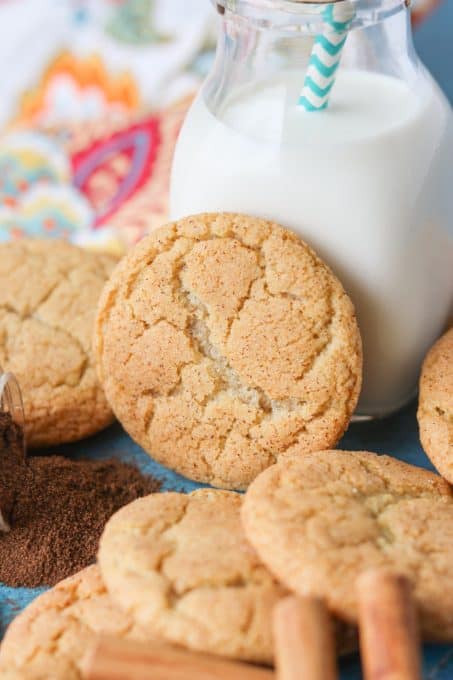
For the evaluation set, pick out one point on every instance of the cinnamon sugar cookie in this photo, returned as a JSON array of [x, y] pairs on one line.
[[435, 408], [223, 342], [181, 567], [50, 638], [48, 295], [317, 521]]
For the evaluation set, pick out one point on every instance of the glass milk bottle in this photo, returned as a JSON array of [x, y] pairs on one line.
[[366, 179]]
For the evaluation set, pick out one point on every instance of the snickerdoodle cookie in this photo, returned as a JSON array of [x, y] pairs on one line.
[[48, 295], [435, 408], [224, 342], [50, 638], [181, 567], [318, 520]]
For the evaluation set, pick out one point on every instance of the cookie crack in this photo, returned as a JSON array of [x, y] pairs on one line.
[[230, 381], [85, 362], [174, 597], [376, 505], [243, 301]]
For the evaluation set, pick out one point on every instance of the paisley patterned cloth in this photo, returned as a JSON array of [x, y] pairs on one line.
[[90, 116]]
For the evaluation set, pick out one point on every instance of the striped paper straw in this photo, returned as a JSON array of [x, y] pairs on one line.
[[326, 55]]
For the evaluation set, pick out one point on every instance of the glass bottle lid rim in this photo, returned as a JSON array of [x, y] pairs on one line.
[[281, 4], [366, 11]]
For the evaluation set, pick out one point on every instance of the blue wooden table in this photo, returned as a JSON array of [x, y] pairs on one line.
[[397, 435]]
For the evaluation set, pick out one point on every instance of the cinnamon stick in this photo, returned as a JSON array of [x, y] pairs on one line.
[[304, 640], [113, 659], [389, 641]]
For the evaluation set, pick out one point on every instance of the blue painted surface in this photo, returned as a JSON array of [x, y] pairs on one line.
[[434, 44], [396, 435]]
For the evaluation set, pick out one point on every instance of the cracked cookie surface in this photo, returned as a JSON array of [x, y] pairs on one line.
[[181, 567], [48, 295], [50, 638], [435, 407], [224, 342], [318, 521]]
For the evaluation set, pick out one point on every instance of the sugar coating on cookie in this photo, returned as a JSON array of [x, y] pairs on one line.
[[319, 520], [48, 295], [435, 408], [223, 342], [51, 637], [181, 567]]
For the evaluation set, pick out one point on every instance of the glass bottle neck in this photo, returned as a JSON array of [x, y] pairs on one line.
[[260, 40]]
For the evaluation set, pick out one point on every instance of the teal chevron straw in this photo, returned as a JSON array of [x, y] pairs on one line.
[[326, 55]]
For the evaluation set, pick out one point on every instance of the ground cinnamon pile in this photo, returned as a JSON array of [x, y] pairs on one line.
[[57, 509]]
